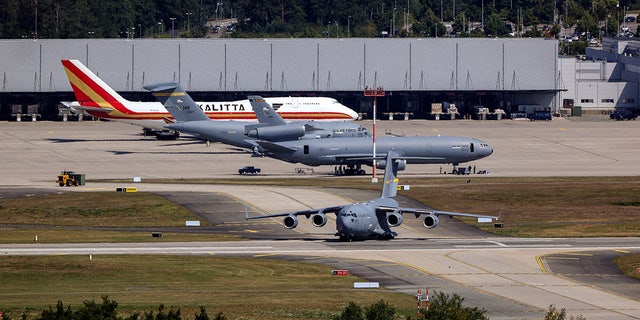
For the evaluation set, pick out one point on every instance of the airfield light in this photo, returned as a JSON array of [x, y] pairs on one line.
[[375, 92]]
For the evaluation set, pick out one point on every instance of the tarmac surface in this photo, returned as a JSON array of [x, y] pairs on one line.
[[511, 278]]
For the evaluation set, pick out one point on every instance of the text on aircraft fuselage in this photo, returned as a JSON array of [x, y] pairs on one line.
[[230, 107]]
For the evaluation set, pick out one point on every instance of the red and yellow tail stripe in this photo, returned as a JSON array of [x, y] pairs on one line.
[[90, 91]]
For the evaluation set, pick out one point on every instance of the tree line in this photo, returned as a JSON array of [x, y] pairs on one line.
[[442, 307], [68, 19]]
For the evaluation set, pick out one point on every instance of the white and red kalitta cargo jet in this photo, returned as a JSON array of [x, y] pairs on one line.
[[99, 100]]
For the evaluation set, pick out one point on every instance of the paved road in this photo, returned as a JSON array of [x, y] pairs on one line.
[[512, 278]]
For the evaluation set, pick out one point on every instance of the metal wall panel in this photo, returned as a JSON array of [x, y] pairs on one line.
[[530, 64], [112, 61], [480, 64], [249, 65], [433, 64], [342, 65], [154, 61], [387, 63], [287, 64], [20, 65], [295, 65], [53, 78], [201, 65]]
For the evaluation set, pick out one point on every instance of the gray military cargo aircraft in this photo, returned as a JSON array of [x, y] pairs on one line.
[[189, 118], [372, 219]]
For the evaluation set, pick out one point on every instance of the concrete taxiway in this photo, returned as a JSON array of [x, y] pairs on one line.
[[511, 278]]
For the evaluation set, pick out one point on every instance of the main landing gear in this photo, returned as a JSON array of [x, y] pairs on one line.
[[349, 170]]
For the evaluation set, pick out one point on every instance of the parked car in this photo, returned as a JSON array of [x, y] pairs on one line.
[[540, 116], [623, 114], [249, 170]]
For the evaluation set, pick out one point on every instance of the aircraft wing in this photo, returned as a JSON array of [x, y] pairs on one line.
[[306, 213], [275, 147], [418, 212]]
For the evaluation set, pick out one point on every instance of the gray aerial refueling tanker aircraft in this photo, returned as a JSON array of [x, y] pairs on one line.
[[309, 143]]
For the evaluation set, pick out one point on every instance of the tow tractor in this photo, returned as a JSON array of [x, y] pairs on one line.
[[70, 178]]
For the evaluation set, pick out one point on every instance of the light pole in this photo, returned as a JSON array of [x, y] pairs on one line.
[[393, 24], [188, 22], [348, 27], [35, 35], [172, 21], [140, 29], [375, 92]]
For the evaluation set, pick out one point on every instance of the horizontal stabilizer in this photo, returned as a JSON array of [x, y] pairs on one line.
[[162, 86], [89, 108], [168, 120], [177, 101]]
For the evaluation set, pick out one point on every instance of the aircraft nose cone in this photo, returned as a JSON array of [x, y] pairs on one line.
[[485, 149]]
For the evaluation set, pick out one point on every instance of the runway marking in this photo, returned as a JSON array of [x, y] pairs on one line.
[[502, 245], [498, 243], [578, 254], [621, 251], [264, 255], [541, 265]]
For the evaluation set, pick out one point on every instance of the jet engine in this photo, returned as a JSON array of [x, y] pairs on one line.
[[381, 164], [277, 133], [290, 222], [394, 219], [430, 221], [319, 219]]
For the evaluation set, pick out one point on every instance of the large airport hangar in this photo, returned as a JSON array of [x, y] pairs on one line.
[[471, 72]]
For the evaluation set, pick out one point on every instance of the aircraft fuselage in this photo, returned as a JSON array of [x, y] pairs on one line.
[[416, 150], [233, 132], [360, 221]]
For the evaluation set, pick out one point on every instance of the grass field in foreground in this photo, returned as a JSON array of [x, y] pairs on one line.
[[96, 217], [238, 287]]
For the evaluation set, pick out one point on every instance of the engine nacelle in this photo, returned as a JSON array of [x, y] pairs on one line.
[[319, 219], [430, 221], [394, 219], [290, 222], [277, 133], [381, 164]]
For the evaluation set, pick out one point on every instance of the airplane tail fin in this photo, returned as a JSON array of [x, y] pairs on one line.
[[390, 187], [177, 101], [90, 90], [264, 112]]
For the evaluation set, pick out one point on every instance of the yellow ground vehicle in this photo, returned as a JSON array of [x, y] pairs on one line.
[[70, 178]]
